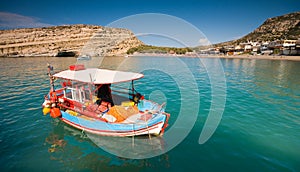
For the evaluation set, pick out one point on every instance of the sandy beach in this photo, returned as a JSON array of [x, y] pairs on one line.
[[263, 57]]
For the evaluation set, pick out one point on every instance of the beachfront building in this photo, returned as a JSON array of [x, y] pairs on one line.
[[298, 46], [289, 47], [210, 51], [238, 50], [264, 49], [247, 47], [275, 47], [278, 47], [229, 50], [289, 43]]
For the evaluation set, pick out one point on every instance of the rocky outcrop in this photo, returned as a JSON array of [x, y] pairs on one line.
[[73, 39], [110, 42]]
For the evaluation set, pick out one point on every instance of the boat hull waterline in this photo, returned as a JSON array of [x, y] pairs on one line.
[[98, 127]]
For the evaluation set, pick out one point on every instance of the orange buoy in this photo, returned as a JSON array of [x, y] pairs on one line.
[[55, 112]]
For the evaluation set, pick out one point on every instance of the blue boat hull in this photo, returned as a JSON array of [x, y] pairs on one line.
[[155, 125]]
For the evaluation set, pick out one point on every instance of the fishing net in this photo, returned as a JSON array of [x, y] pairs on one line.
[[122, 113]]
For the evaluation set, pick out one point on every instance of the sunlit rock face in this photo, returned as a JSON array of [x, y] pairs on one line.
[[71, 40]]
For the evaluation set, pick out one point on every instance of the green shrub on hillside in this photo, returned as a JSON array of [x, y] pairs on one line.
[[155, 49]]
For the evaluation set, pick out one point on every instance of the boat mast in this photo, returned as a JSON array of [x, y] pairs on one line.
[[51, 78]]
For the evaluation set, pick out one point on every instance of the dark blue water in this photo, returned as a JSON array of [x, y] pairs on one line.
[[259, 129]]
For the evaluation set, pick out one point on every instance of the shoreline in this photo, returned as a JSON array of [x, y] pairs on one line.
[[258, 57], [250, 57]]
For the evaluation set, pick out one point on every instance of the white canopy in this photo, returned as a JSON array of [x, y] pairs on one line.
[[98, 76]]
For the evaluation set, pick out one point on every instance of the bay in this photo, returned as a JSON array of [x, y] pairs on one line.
[[259, 129]]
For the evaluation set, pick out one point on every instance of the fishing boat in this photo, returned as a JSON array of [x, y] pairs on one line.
[[95, 101]]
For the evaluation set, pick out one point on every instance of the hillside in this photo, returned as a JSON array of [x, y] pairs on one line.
[[276, 28], [68, 40]]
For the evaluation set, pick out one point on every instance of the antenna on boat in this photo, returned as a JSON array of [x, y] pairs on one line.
[[54, 109]]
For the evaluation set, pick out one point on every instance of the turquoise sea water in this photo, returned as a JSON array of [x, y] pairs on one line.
[[259, 129]]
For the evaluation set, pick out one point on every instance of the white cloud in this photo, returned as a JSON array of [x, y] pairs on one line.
[[12, 20], [204, 41]]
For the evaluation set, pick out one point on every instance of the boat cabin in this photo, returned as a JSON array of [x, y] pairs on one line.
[[82, 87]]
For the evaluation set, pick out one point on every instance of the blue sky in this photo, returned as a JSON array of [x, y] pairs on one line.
[[218, 20]]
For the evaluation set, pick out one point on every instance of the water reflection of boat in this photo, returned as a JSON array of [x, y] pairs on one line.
[[87, 102], [127, 147], [65, 141], [84, 57], [130, 147]]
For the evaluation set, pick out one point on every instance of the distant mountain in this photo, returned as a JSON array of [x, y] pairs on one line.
[[276, 28]]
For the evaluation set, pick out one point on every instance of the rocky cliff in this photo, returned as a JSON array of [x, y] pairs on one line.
[[72, 39]]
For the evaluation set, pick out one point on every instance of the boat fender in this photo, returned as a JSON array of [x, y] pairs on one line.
[[46, 110], [55, 112]]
